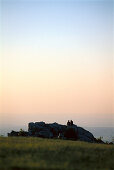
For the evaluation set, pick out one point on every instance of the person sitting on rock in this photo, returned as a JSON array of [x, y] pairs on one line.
[[71, 122], [68, 123]]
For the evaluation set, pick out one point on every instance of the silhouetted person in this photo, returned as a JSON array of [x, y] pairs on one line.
[[71, 122], [68, 123]]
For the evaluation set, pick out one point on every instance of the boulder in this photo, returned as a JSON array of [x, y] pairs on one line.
[[74, 127], [84, 134], [31, 126], [30, 133], [38, 127], [71, 133], [55, 126], [85, 138], [55, 130], [40, 124], [45, 134], [61, 136], [36, 134]]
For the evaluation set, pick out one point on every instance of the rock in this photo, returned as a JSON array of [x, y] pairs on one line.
[[55, 130], [30, 133], [35, 127], [61, 136], [75, 127], [38, 127], [36, 134], [40, 124], [71, 133], [45, 134], [85, 138], [98, 141], [55, 126], [31, 126], [85, 135]]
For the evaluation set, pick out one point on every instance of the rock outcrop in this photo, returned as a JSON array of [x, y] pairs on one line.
[[55, 130]]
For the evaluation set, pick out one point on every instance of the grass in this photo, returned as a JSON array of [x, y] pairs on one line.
[[36, 153]]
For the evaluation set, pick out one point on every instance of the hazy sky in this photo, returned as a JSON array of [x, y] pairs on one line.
[[56, 62]]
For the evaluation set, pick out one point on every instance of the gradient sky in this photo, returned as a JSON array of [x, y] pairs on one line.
[[56, 62]]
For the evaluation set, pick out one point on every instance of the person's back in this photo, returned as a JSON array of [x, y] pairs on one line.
[[68, 123], [71, 122]]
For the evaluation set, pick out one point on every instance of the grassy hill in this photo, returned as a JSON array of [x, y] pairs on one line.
[[36, 153]]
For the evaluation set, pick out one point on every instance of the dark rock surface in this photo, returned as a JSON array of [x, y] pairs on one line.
[[55, 130]]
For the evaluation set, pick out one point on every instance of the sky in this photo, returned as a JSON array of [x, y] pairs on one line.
[[56, 62]]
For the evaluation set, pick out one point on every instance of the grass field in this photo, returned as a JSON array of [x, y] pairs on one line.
[[36, 153]]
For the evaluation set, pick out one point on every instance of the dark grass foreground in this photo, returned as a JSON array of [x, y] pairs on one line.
[[35, 153]]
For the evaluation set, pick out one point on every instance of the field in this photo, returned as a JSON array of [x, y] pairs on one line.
[[36, 153]]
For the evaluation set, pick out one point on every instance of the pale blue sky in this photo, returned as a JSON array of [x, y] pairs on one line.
[[71, 23], [73, 27]]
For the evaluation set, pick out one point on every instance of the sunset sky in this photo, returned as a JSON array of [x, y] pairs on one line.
[[56, 62]]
